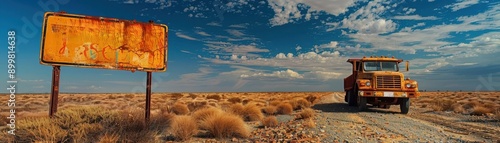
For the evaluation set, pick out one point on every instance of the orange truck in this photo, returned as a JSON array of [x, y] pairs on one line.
[[379, 82]]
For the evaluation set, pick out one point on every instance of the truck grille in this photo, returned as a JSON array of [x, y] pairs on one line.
[[388, 82]]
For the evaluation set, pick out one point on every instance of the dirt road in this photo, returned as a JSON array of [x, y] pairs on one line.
[[343, 123]]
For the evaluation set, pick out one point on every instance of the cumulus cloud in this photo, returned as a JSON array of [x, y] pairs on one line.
[[366, 20], [415, 17], [462, 4], [286, 74], [203, 33], [287, 11], [181, 35]]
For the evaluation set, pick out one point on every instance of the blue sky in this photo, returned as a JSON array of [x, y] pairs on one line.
[[276, 45]]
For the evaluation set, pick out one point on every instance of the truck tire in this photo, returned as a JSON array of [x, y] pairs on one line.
[[346, 96], [352, 98], [362, 103], [404, 104]]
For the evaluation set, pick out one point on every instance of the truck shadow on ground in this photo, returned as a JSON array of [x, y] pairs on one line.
[[344, 108]]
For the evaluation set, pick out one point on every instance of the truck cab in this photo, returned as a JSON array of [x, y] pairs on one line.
[[379, 82]]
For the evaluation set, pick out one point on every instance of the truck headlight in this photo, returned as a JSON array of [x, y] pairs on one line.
[[408, 85], [368, 83]]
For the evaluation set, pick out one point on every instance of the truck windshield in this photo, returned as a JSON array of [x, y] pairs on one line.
[[380, 66]]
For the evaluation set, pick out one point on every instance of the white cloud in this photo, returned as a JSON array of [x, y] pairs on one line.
[[298, 48], [415, 17], [409, 10], [289, 55], [332, 44], [181, 35], [131, 1], [236, 33], [280, 56], [323, 75], [233, 49], [203, 33], [288, 74], [462, 4], [234, 57], [366, 20], [287, 11], [243, 25], [214, 24]]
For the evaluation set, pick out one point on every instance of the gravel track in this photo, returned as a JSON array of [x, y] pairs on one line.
[[343, 123]]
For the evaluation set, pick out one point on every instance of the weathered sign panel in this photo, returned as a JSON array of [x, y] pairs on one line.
[[108, 43]]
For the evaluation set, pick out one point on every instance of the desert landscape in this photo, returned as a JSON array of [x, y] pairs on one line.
[[252, 117]]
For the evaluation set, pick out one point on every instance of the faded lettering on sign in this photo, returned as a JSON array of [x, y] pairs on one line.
[[94, 42]]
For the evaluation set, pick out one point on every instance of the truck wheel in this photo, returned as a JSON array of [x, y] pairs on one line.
[[362, 103], [346, 96], [404, 104], [352, 98]]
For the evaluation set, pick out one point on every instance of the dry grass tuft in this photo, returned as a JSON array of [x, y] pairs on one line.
[[195, 105], [275, 103], [192, 96], [234, 100], [442, 105], [180, 109], [226, 126], [183, 127], [480, 110], [249, 112], [109, 138], [130, 96], [237, 109], [285, 108], [270, 110], [177, 95], [215, 97], [497, 113], [303, 103], [252, 112], [204, 113], [309, 123], [307, 113], [312, 99], [270, 121]]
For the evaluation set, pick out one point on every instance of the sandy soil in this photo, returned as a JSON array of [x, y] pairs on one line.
[[334, 120]]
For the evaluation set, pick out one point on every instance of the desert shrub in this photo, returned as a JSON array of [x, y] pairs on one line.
[[202, 114], [497, 113], [177, 95], [237, 109], [307, 113], [285, 108], [270, 121], [83, 132], [270, 110], [192, 96], [275, 103], [458, 108], [40, 129], [225, 125], [109, 138], [443, 105], [234, 100], [480, 110], [183, 127], [249, 112], [180, 109], [215, 97], [311, 98], [130, 96], [195, 105], [303, 103], [310, 123], [252, 112], [294, 104]]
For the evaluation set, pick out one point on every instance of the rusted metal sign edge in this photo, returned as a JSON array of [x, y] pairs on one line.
[[84, 65]]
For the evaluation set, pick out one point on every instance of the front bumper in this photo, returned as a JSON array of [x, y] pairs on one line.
[[396, 94]]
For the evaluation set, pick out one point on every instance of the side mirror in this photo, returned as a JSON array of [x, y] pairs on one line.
[[407, 65]]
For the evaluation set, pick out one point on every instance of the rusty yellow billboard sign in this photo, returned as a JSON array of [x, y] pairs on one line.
[[109, 43]]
